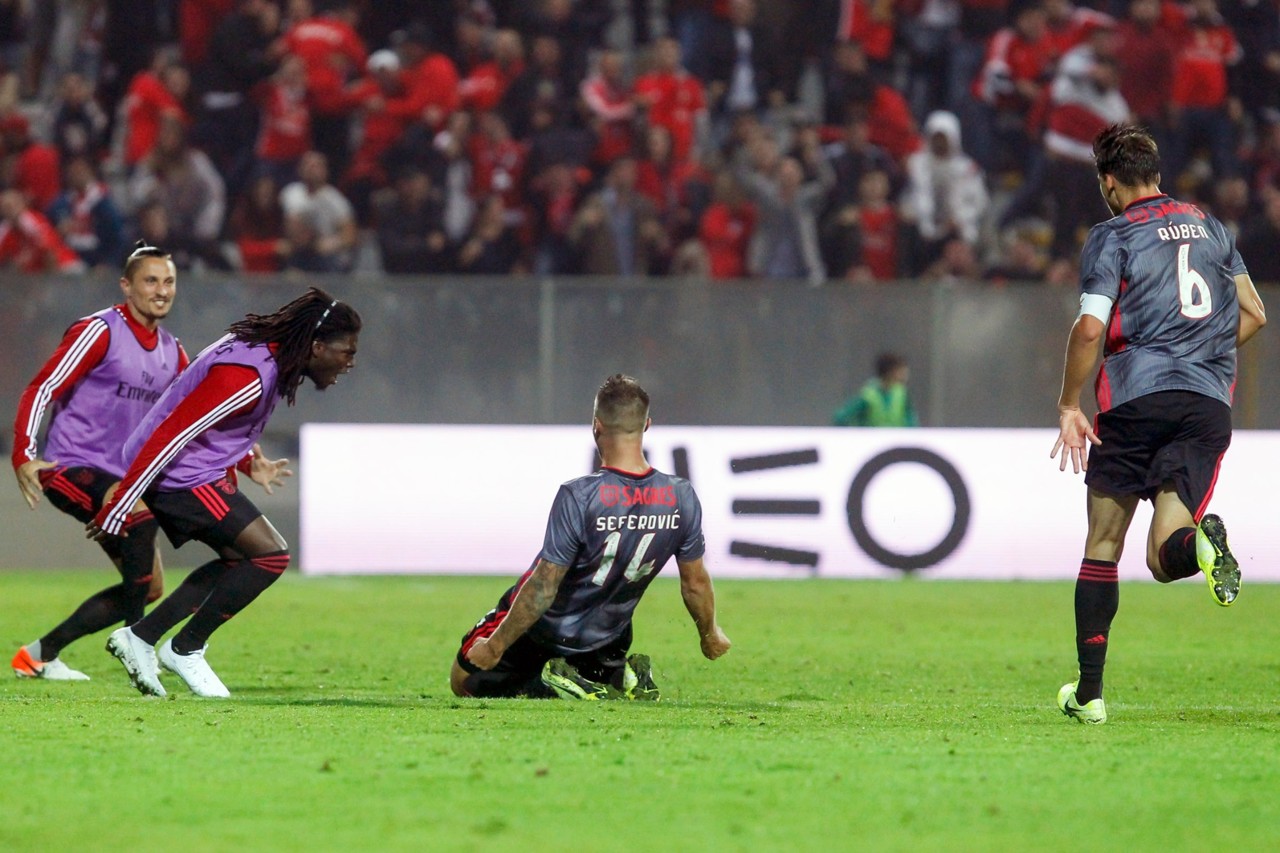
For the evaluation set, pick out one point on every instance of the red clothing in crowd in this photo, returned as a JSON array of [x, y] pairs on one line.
[[497, 166], [146, 103], [870, 24], [725, 232], [430, 86], [37, 172], [1076, 29], [382, 127], [482, 89], [1144, 55], [878, 227], [611, 111], [197, 19], [667, 187], [284, 134], [332, 53], [33, 245], [1200, 69], [675, 100], [1012, 59], [891, 125]]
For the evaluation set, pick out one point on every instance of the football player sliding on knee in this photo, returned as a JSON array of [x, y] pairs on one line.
[[564, 628], [181, 460]]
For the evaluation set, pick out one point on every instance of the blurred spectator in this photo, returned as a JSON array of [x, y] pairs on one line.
[[79, 124], [959, 262], [1261, 237], [673, 98], [497, 165], [87, 217], [333, 54], [431, 79], [28, 165], [374, 99], [610, 109], [183, 181], [319, 222], [869, 24], [678, 189], [854, 159], [576, 25], [411, 233], [1070, 24], [1020, 261], [240, 56], [928, 34], [1256, 79], [1147, 41], [883, 401], [1230, 203], [257, 227], [284, 128], [1083, 99], [739, 76], [154, 95], [541, 84], [726, 229], [1203, 110], [492, 247], [554, 140], [486, 83], [554, 196], [616, 231], [198, 20], [785, 243], [877, 224], [1009, 92], [851, 87], [28, 242], [54, 44], [946, 197]]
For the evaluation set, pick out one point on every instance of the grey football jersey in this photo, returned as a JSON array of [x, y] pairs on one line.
[[1170, 268], [615, 531]]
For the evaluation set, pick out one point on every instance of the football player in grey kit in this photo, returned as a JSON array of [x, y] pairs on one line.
[[1166, 298], [564, 629]]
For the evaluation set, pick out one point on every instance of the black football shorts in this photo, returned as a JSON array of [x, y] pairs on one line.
[[215, 513], [1176, 437]]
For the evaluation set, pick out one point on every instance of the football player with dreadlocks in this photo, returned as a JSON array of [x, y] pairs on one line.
[[180, 459]]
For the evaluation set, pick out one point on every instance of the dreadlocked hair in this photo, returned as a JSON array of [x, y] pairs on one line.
[[313, 316]]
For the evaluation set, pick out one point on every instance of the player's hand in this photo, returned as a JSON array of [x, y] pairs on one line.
[[715, 643], [1075, 434], [268, 472], [483, 655], [28, 474]]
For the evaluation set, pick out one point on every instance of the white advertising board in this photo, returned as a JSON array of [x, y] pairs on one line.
[[776, 502]]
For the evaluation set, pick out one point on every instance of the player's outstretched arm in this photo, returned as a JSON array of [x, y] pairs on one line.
[[1075, 432], [28, 474], [1253, 316], [700, 600], [533, 600], [268, 472]]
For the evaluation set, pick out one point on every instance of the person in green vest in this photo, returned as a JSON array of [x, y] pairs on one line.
[[883, 400]]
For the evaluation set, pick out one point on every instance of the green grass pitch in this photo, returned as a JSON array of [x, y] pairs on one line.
[[849, 716]]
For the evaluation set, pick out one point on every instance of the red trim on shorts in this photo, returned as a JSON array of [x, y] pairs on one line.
[[137, 518], [70, 491], [1204, 504], [212, 502]]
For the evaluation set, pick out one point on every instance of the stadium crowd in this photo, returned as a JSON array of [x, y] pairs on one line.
[[818, 140]]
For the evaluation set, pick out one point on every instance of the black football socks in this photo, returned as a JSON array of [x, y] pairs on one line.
[[1097, 599]]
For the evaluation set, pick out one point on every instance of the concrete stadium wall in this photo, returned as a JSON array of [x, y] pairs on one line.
[[454, 350]]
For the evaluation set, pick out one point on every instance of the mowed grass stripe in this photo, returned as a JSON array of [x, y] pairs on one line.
[[849, 716]]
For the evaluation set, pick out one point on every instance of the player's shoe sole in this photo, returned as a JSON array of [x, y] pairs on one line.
[[139, 660], [25, 666], [568, 683], [194, 670], [643, 689], [1093, 712], [1221, 571]]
